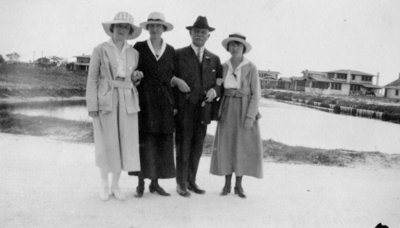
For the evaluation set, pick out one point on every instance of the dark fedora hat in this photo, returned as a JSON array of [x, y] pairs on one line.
[[201, 23]]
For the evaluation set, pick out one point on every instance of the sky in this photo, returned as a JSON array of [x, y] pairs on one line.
[[287, 36]]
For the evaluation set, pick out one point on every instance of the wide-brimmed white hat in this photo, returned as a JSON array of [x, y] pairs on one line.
[[122, 18], [239, 38], [157, 18]]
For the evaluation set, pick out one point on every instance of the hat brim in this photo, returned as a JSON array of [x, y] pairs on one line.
[[226, 41], [169, 26], [209, 28], [136, 29]]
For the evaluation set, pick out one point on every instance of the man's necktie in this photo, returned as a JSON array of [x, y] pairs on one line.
[[199, 54]]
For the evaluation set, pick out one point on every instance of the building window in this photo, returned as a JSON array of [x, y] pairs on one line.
[[337, 86], [355, 87], [342, 76], [366, 78], [320, 85], [397, 92], [353, 77]]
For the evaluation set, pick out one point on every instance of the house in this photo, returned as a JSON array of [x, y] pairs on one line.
[[343, 82], [297, 83], [268, 79], [44, 61], [392, 90], [82, 62], [284, 83]]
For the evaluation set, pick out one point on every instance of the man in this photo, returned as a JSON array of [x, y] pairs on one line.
[[197, 71]]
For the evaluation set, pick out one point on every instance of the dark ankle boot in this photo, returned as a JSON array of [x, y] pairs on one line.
[[140, 187], [227, 188], [238, 187], [154, 187]]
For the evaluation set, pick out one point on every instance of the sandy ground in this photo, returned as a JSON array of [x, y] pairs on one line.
[[48, 183]]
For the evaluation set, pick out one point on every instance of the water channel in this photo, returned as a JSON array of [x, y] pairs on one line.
[[292, 125]]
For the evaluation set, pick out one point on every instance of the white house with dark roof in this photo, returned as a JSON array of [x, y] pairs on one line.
[[268, 78], [392, 90], [82, 62], [343, 82]]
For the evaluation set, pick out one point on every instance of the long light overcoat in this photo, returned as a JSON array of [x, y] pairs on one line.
[[116, 127], [237, 149]]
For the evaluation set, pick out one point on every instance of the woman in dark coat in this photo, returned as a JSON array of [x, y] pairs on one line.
[[156, 118]]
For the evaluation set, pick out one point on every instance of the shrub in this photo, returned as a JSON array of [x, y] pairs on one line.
[[336, 109]]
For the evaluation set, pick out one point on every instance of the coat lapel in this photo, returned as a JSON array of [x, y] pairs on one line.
[[109, 60]]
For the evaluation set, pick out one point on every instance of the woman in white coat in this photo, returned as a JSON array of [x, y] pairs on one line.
[[237, 144], [112, 102]]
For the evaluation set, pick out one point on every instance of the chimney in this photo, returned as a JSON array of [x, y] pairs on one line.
[[377, 78], [348, 79]]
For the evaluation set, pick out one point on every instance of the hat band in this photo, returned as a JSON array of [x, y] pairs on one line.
[[151, 19], [237, 36]]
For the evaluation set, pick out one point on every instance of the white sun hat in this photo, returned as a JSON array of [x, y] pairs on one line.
[[157, 18], [239, 38], [122, 18]]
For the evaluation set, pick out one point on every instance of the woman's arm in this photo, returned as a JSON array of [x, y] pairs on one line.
[[92, 82], [255, 93]]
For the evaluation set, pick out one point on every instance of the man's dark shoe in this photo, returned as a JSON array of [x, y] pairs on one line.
[[182, 191], [194, 188]]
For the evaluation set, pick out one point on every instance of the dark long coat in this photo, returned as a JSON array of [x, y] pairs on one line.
[[156, 98]]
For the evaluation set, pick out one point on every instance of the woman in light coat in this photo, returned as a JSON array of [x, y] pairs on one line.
[[112, 102], [156, 117], [237, 144]]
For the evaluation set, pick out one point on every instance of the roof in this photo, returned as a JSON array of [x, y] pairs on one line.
[[286, 79], [83, 56], [351, 72], [297, 78], [371, 86], [313, 72], [321, 78], [269, 71], [394, 84]]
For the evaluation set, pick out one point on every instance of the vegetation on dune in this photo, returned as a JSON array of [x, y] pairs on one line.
[[384, 108], [28, 80]]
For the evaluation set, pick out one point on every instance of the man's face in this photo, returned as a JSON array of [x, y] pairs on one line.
[[199, 36]]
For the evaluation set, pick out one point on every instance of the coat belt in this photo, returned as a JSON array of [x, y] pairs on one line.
[[121, 84], [235, 93]]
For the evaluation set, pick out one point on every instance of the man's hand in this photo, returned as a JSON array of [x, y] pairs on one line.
[[93, 114], [211, 94], [136, 77], [181, 84]]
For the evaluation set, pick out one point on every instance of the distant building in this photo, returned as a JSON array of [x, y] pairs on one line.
[[44, 61], [268, 78], [82, 63], [392, 90], [297, 83], [284, 83], [344, 82]]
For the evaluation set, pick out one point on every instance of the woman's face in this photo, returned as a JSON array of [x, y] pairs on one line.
[[235, 48], [121, 31], [155, 30]]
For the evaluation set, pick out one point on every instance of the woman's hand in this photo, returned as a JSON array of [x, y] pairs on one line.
[[248, 123], [181, 84], [94, 114]]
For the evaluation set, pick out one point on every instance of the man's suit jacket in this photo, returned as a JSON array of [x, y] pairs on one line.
[[102, 70], [199, 77]]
